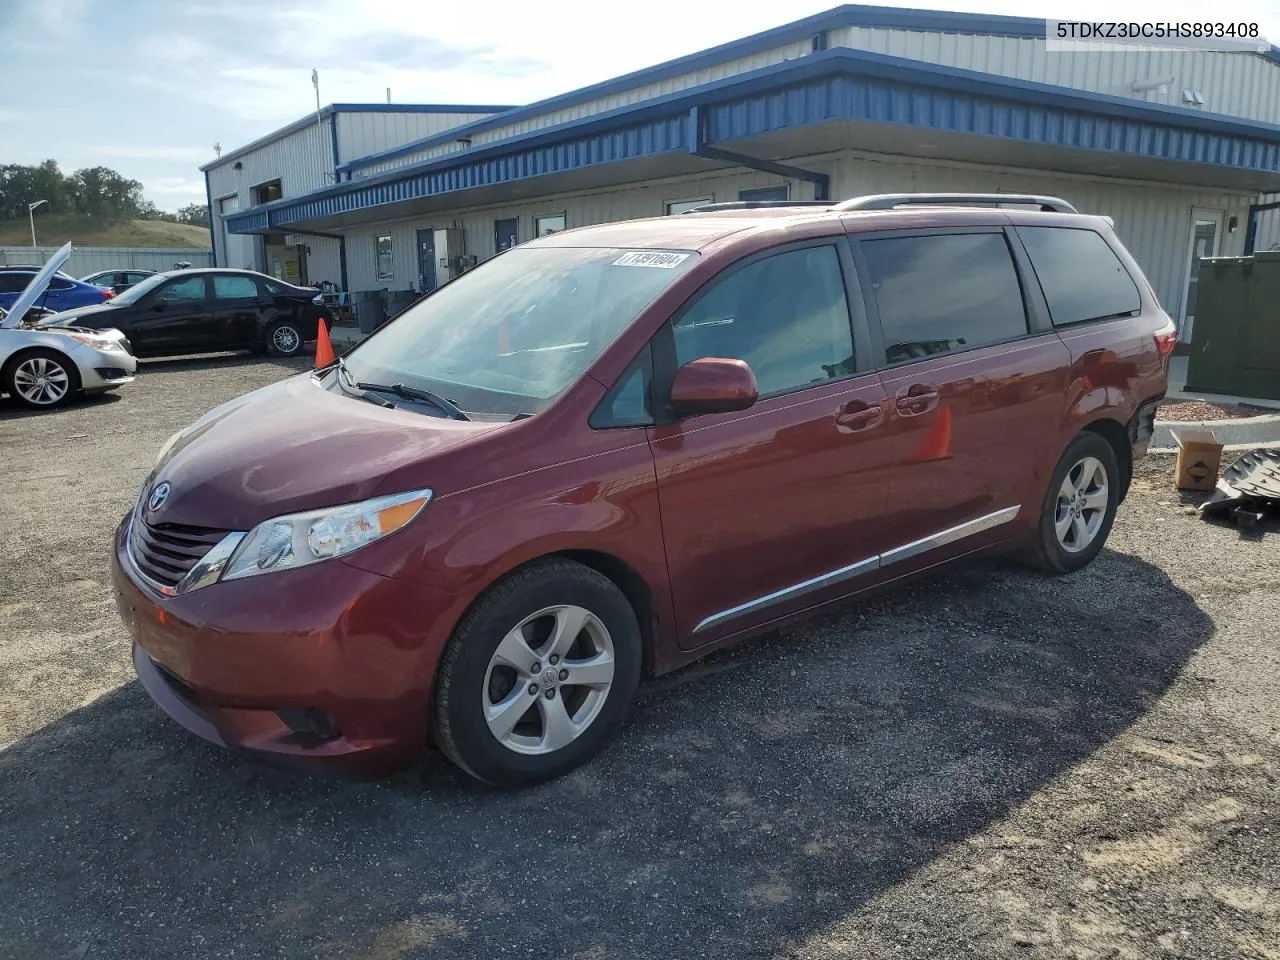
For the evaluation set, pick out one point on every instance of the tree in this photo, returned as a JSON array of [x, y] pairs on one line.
[[21, 185], [104, 194], [195, 214]]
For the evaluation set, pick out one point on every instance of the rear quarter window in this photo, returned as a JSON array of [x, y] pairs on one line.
[[1081, 276]]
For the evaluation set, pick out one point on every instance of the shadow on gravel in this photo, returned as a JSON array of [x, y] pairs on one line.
[[775, 790], [221, 360]]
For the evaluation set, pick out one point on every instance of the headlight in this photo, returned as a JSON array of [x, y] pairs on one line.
[[298, 539], [98, 343]]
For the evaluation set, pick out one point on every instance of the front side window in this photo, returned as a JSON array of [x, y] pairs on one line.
[[135, 277], [786, 316], [230, 287], [1080, 275], [549, 225], [186, 289], [60, 283], [386, 263], [510, 335], [943, 293]]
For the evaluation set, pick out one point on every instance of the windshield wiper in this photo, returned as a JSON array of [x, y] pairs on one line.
[[450, 408]]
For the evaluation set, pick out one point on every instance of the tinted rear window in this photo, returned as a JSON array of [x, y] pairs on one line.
[[14, 282], [938, 294], [1080, 275]]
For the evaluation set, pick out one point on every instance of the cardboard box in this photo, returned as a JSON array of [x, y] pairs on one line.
[[1199, 457]]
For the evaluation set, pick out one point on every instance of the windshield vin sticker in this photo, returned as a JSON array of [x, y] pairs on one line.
[[651, 258]]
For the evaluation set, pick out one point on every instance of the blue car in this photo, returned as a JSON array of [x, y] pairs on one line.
[[64, 293]]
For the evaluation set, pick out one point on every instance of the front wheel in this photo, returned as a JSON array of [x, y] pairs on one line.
[[284, 338], [538, 675], [42, 379], [1080, 506]]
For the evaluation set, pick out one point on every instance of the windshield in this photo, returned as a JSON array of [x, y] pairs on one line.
[[139, 290], [512, 334]]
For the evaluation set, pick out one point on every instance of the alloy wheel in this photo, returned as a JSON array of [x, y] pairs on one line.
[[285, 339], [548, 679], [41, 381], [1082, 505]]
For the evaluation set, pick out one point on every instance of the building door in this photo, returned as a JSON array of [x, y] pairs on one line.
[[1206, 233], [765, 193], [505, 233], [426, 260], [237, 248]]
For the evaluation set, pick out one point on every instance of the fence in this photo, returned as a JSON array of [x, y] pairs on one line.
[[87, 260]]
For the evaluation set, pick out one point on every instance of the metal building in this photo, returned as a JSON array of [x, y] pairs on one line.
[[1175, 146]]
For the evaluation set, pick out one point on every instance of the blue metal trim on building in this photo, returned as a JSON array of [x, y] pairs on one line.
[[699, 146], [816, 26], [213, 239], [836, 84]]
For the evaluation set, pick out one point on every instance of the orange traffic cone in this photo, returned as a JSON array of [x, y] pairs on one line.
[[324, 349], [937, 441]]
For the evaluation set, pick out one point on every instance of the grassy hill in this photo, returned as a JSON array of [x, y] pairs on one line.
[[83, 232]]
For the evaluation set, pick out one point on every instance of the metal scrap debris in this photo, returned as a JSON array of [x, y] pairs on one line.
[[1247, 489]]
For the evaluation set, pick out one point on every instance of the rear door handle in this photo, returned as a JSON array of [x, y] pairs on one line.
[[858, 416], [917, 399]]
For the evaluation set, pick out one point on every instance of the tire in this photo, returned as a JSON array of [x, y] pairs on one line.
[[477, 676], [1077, 513], [41, 379], [284, 338]]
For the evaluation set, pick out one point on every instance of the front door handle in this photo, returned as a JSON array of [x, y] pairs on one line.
[[858, 416], [917, 399]]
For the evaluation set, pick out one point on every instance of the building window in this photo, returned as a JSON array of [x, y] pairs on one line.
[[386, 265], [549, 225], [680, 206], [766, 193]]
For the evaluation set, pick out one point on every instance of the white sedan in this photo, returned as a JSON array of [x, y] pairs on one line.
[[44, 368]]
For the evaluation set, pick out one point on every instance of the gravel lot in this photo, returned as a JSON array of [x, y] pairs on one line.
[[987, 764]]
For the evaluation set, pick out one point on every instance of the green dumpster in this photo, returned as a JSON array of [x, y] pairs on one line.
[[1235, 340]]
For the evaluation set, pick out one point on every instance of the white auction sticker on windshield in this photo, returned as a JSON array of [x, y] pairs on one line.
[[651, 258]]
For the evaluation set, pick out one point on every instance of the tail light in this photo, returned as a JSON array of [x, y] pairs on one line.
[[1166, 338], [107, 294]]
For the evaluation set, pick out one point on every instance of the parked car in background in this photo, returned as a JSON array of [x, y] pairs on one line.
[[62, 293], [117, 281], [612, 450], [205, 310], [45, 368]]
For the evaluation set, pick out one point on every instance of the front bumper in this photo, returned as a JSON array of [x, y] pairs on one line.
[[223, 661], [104, 369]]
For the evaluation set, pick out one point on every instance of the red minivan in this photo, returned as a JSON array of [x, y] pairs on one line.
[[607, 452]]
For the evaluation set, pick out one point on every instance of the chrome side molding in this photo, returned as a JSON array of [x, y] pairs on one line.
[[862, 567]]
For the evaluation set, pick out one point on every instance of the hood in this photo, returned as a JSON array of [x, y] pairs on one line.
[[295, 446], [69, 318], [36, 288]]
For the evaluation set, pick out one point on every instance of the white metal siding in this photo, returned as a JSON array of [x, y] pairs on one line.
[[604, 104], [581, 209], [302, 161], [1268, 236], [1236, 84], [323, 261], [362, 134]]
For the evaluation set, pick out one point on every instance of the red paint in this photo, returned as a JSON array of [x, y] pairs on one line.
[[708, 512]]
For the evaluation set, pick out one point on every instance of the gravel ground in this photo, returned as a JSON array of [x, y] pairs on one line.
[[1194, 411], [987, 764]]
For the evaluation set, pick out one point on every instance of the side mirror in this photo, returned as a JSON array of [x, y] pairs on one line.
[[713, 385]]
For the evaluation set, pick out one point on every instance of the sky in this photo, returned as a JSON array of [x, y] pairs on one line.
[[148, 87]]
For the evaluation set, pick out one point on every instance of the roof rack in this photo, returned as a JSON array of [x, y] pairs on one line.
[[755, 204], [888, 201]]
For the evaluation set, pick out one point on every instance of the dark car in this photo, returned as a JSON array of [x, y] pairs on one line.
[[63, 293], [610, 451], [118, 281], [198, 311]]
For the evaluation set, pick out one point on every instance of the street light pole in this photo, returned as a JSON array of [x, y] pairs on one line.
[[31, 215]]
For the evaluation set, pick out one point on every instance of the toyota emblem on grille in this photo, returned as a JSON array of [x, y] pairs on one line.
[[159, 496]]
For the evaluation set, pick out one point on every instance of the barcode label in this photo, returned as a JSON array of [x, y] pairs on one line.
[[650, 258]]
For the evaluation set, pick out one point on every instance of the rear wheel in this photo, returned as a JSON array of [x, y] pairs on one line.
[[42, 379], [1080, 506], [538, 675], [284, 338]]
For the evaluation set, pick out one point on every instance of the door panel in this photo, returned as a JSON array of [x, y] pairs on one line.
[[174, 318], [1205, 236], [505, 233], [427, 260], [773, 509], [234, 312]]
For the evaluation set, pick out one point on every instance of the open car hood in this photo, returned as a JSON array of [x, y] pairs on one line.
[[39, 283]]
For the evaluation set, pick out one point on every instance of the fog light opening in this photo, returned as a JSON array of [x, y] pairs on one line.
[[310, 722]]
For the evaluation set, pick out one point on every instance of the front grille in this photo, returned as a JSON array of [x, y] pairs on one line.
[[166, 552]]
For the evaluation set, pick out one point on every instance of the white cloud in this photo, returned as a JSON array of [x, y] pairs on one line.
[[172, 192], [174, 154]]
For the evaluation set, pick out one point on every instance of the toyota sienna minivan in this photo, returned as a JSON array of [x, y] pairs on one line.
[[605, 453]]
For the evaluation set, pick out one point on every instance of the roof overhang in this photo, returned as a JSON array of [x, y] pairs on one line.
[[836, 99]]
